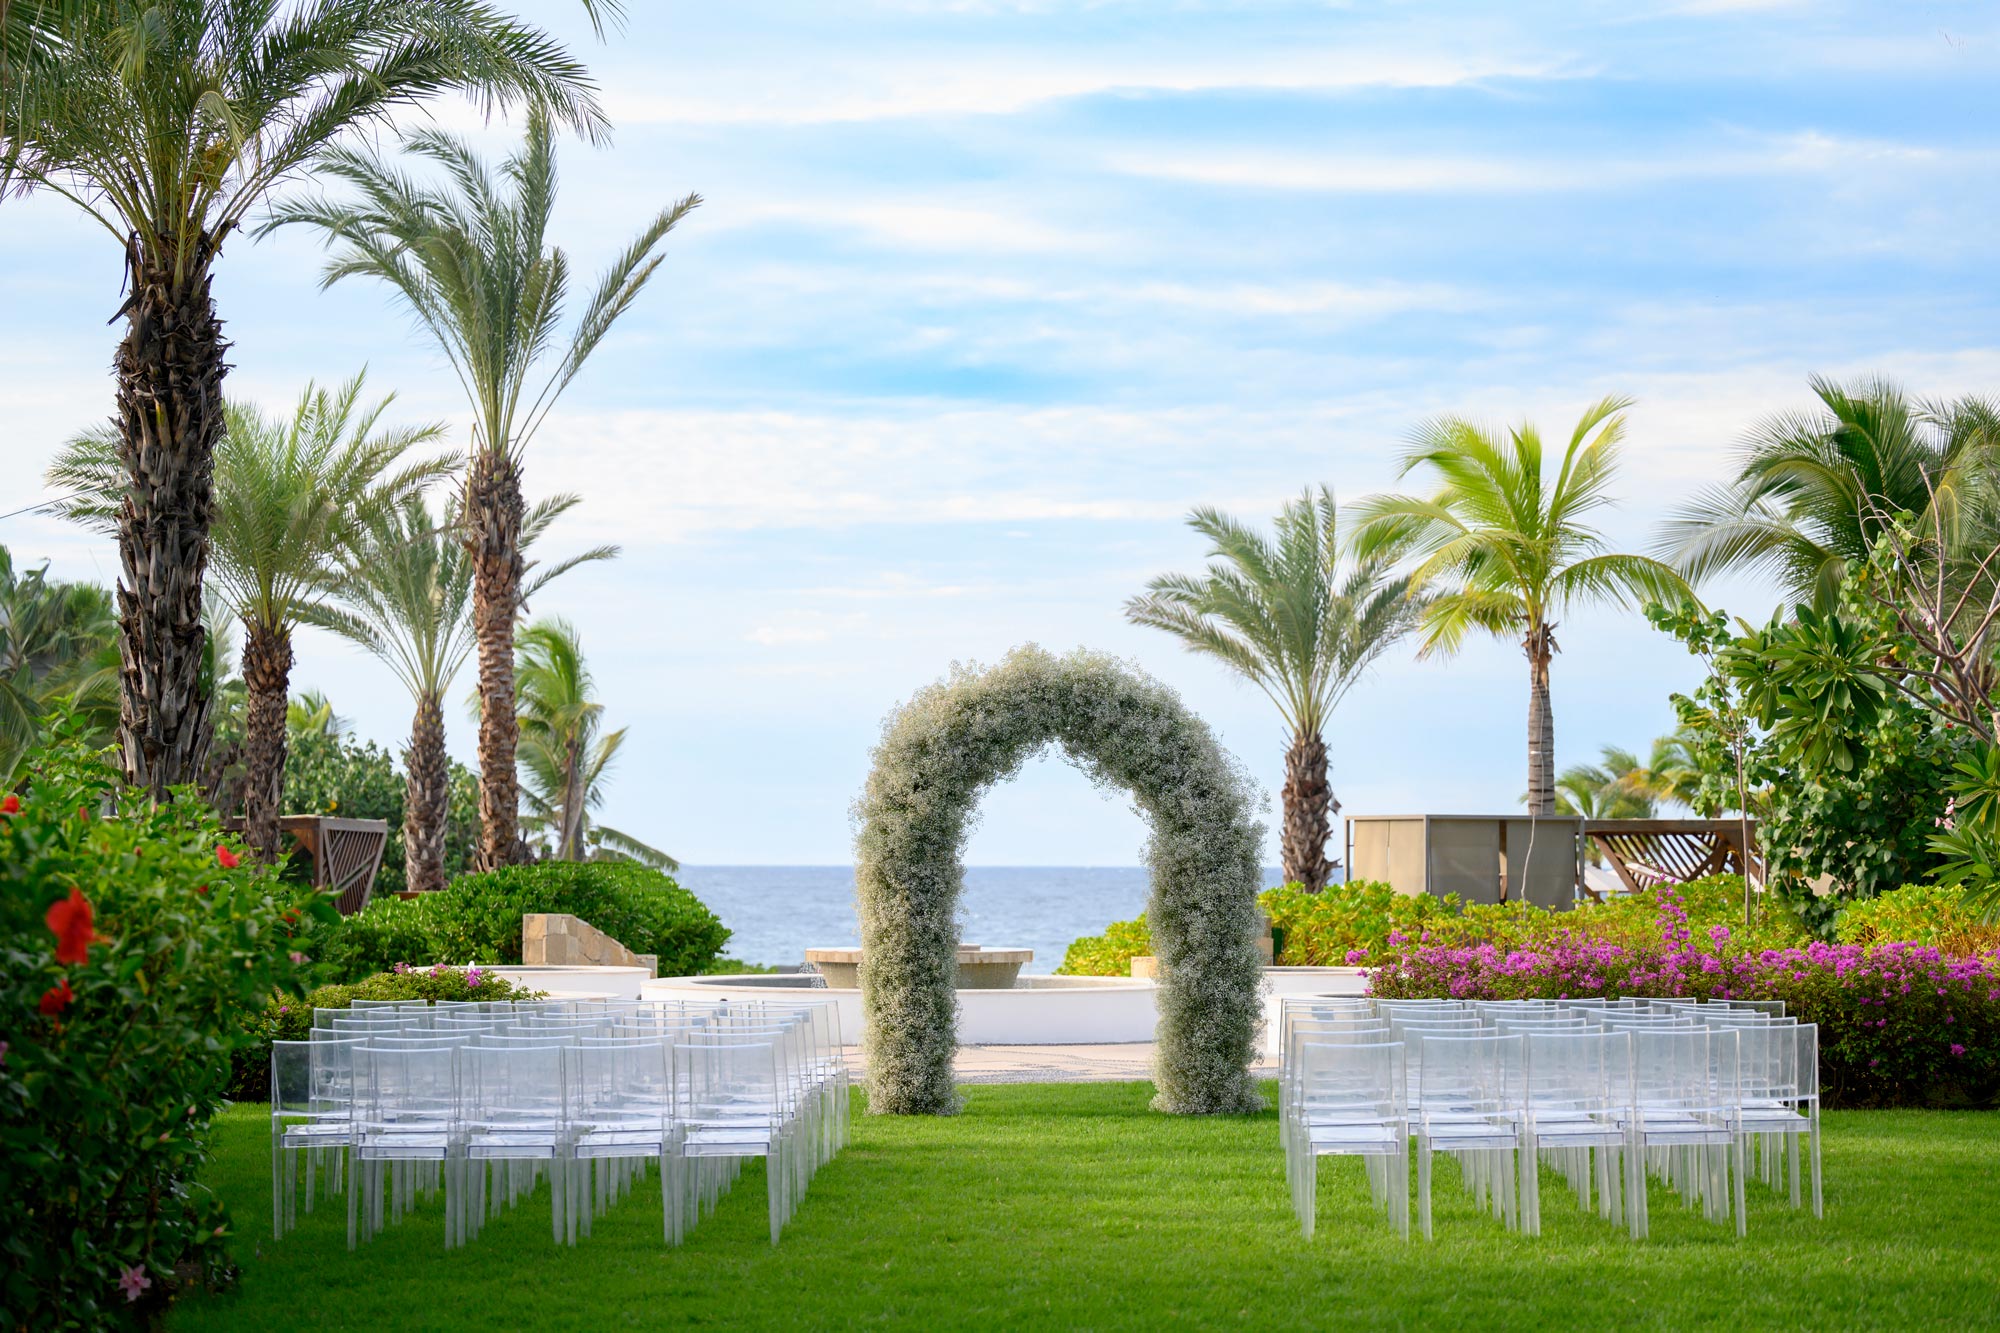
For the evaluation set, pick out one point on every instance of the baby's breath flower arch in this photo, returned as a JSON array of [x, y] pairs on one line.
[[956, 738]]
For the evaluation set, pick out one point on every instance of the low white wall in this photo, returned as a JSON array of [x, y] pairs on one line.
[[1283, 981], [1038, 1011], [576, 983]]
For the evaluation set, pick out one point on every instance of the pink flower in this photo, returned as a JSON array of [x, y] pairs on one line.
[[1356, 957], [1957, 1049], [133, 1282]]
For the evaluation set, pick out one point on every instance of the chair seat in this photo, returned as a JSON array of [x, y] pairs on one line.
[[621, 1143]]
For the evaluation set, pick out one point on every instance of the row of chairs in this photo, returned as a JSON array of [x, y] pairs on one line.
[[484, 1100], [1606, 1093]]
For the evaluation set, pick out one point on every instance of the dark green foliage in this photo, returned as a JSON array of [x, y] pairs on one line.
[[105, 1100], [332, 775], [478, 918], [1846, 775]]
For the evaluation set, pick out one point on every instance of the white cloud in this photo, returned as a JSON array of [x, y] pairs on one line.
[[965, 81]]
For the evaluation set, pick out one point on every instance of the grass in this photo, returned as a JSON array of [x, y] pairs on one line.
[[1073, 1206]]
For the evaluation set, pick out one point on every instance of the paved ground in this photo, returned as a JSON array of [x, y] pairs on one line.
[[1055, 1064]]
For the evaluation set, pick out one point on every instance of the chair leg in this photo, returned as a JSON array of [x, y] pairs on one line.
[[1424, 1186]]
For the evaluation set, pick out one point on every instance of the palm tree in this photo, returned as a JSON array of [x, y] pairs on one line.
[[311, 714], [1813, 490], [564, 752], [1298, 622], [470, 259], [290, 497], [167, 122], [1505, 549], [408, 601], [57, 641]]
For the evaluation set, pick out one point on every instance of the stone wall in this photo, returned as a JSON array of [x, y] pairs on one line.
[[556, 939]]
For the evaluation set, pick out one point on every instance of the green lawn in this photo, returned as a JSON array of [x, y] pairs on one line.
[[1073, 1206]]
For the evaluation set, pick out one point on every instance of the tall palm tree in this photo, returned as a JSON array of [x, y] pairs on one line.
[[408, 601], [1301, 624], [167, 122], [566, 753], [1814, 489], [471, 260], [290, 498], [57, 640], [1507, 549]]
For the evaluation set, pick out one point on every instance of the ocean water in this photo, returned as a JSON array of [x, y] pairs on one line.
[[775, 913]]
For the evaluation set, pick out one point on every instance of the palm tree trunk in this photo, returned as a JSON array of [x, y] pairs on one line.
[[427, 798], [267, 677], [169, 370], [493, 513], [1540, 646], [1308, 802]]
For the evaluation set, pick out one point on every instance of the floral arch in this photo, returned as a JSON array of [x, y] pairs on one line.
[[939, 754]]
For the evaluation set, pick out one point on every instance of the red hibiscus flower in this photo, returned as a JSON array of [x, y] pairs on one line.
[[56, 998], [10, 806], [71, 920], [230, 860]]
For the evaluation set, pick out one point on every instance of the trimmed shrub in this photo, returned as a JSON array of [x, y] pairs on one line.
[[1109, 954], [1932, 914], [477, 918], [1127, 731], [288, 1019], [131, 946]]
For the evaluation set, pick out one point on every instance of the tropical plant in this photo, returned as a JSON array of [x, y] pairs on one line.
[[311, 714], [1501, 547], [1814, 490], [57, 641], [1302, 625], [1613, 789], [167, 122], [565, 752], [470, 259], [289, 500], [408, 601]]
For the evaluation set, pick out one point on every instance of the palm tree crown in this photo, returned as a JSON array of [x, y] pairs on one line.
[[1300, 623], [469, 256], [565, 752], [167, 122], [1813, 490], [56, 640], [1502, 547]]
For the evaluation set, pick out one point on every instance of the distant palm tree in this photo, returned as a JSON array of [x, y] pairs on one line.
[[408, 601], [1813, 490], [168, 122], [565, 753], [311, 714], [471, 260], [1506, 549], [290, 500], [57, 641], [1298, 622]]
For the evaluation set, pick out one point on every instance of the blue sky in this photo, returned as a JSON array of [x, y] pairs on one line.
[[985, 296]]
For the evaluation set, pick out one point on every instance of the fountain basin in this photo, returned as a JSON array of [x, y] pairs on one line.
[[979, 968]]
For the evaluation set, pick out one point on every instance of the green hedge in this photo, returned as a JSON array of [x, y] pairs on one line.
[[1352, 923], [477, 919], [288, 1019]]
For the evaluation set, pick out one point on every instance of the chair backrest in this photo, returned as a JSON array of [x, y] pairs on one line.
[[502, 1086], [1685, 1069], [404, 1086], [313, 1078], [1587, 1071], [1354, 1081], [621, 1082], [1481, 1075]]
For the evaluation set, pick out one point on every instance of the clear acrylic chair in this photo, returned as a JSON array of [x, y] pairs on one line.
[[1686, 1121], [514, 1122], [312, 1088], [1349, 1099], [404, 1136], [1579, 1090], [735, 1101], [623, 1109], [1472, 1104]]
